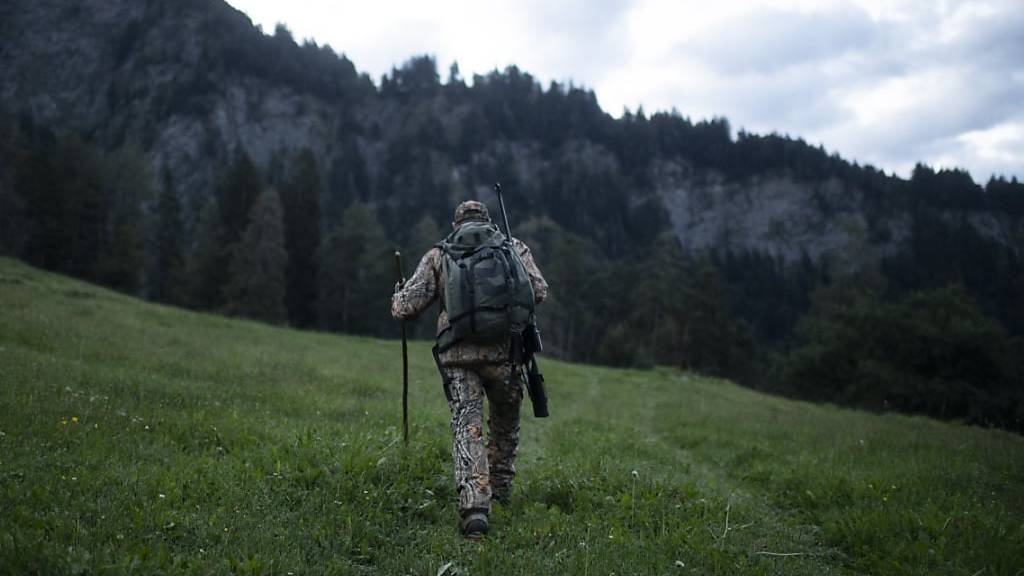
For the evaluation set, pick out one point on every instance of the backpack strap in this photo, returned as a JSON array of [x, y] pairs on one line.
[[472, 297]]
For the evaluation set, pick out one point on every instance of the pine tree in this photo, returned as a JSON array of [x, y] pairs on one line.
[[257, 284], [714, 342], [237, 194], [568, 262], [424, 235], [60, 182], [642, 303], [89, 201], [348, 180], [207, 274], [355, 278], [301, 202], [658, 301], [221, 223], [166, 278], [14, 222], [128, 186]]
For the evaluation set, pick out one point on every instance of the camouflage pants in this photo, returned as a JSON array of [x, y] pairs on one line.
[[479, 474]]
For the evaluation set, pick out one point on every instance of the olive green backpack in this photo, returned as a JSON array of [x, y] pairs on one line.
[[487, 291]]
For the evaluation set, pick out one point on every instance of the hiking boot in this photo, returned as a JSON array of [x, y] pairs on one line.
[[474, 525]]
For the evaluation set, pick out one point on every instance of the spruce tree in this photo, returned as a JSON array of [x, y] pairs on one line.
[[570, 266], [61, 183], [348, 180], [715, 343], [424, 235], [300, 200], [127, 185], [210, 257], [166, 278], [578, 271], [14, 222], [355, 274], [237, 194], [206, 272], [257, 283]]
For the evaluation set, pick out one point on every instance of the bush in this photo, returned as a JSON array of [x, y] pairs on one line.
[[933, 352]]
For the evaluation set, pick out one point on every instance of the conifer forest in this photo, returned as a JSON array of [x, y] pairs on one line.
[[876, 291]]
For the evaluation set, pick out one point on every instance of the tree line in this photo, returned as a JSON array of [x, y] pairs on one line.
[[309, 245], [255, 250]]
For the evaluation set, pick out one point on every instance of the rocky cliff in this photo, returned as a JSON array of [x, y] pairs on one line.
[[191, 82], [151, 74]]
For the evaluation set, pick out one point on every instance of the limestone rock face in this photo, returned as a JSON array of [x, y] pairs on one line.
[[789, 218], [187, 82], [141, 72], [776, 214]]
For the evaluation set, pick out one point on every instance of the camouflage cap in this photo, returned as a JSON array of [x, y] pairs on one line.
[[471, 210]]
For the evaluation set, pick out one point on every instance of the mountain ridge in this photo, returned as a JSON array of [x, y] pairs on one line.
[[170, 78]]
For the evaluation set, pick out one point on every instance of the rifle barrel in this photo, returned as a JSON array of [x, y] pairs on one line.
[[504, 214]]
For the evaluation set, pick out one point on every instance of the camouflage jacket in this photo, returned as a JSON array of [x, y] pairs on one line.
[[426, 286]]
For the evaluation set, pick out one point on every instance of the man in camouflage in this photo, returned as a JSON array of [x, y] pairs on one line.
[[472, 371]]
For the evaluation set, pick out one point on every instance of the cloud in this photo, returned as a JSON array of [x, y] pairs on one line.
[[885, 87], [573, 38], [958, 72], [994, 149], [887, 82], [768, 40]]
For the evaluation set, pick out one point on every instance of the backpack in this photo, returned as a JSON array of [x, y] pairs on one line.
[[487, 291]]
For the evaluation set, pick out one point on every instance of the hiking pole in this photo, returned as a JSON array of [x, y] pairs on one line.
[[405, 356]]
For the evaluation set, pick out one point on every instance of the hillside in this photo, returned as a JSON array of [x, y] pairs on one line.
[[137, 438]]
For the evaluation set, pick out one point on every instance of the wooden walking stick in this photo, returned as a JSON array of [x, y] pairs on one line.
[[405, 356]]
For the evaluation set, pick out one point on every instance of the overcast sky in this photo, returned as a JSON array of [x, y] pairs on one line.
[[886, 82]]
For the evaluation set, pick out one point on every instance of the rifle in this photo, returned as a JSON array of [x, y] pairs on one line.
[[528, 342], [405, 357], [534, 379]]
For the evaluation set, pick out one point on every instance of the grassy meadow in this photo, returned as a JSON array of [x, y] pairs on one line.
[[142, 439]]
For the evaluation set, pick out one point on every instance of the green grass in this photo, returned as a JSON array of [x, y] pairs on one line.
[[137, 438]]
